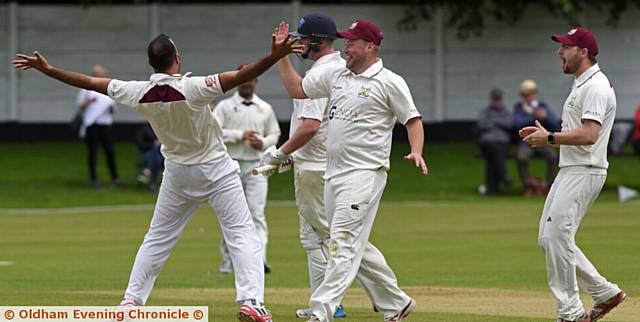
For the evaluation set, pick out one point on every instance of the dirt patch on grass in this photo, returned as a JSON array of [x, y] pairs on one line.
[[497, 302]]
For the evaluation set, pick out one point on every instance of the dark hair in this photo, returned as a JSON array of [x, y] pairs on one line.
[[495, 93], [592, 58], [162, 53]]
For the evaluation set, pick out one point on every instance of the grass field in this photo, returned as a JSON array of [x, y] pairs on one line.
[[55, 175], [465, 258]]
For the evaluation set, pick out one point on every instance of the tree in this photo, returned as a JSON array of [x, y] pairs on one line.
[[468, 16]]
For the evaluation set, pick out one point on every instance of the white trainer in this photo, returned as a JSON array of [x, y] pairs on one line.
[[226, 267], [303, 313], [400, 316]]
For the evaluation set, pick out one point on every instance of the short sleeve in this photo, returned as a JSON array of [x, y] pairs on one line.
[[595, 103], [311, 108], [125, 93], [203, 89], [82, 97], [400, 100], [317, 83]]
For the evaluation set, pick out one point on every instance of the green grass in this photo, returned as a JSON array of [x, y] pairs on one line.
[[56, 175], [473, 244], [456, 239]]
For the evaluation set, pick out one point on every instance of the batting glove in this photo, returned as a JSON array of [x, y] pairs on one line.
[[273, 156]]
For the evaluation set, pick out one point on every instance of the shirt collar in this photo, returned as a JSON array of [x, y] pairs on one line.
[[587, 74], [373, 70], [161, 76], [326, 59]]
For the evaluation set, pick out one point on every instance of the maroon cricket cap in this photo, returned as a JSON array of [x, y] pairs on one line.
[[362, 29], [580, 37]]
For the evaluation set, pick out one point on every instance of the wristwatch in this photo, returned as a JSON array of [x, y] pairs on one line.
[[551, 138]]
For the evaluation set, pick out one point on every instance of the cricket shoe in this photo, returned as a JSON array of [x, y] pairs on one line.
[[254, 313], [313, 318], [400, 316], [125, 307], [306, 313], [601, 309], [583, 318]]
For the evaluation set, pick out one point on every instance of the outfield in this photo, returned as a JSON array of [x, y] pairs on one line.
[[463, 256]]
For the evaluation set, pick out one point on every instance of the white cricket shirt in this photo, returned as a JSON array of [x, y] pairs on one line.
[[177, 108], [98, 109], [363, 110], [591, 98], [314, 154], [236, 115]]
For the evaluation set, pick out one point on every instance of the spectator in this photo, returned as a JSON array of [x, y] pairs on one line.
[[153, 160], [526, 112], [636, 133], [494, 132], [97, 118]]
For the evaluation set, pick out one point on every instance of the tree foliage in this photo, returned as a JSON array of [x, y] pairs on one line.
[[469, 16]]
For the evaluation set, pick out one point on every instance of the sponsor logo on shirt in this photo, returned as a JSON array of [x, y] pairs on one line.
[[336, 87], [209, 81], [343, 114], [332, 112]]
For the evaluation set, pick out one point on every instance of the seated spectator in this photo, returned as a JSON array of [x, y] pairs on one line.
[[526, 112], [494, 128], [148, 144]]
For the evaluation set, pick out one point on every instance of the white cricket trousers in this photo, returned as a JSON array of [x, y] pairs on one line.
[[184, 188], [314, 226], [351, 201], [255, 191], [572, 194]]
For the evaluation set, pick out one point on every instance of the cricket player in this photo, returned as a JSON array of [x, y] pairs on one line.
[[307, 146], [197, 167], [249, 126], [365, 101], [587, 119]]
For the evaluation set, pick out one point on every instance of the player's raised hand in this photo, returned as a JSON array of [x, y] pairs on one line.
[[419, 161], [282, 43], [37, 61]]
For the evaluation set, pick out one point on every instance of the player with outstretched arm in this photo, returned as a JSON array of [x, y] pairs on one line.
[[307, 146], [197, 166]]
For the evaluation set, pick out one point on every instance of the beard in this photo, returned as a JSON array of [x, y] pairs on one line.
[[354, 63], [571, 65]]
